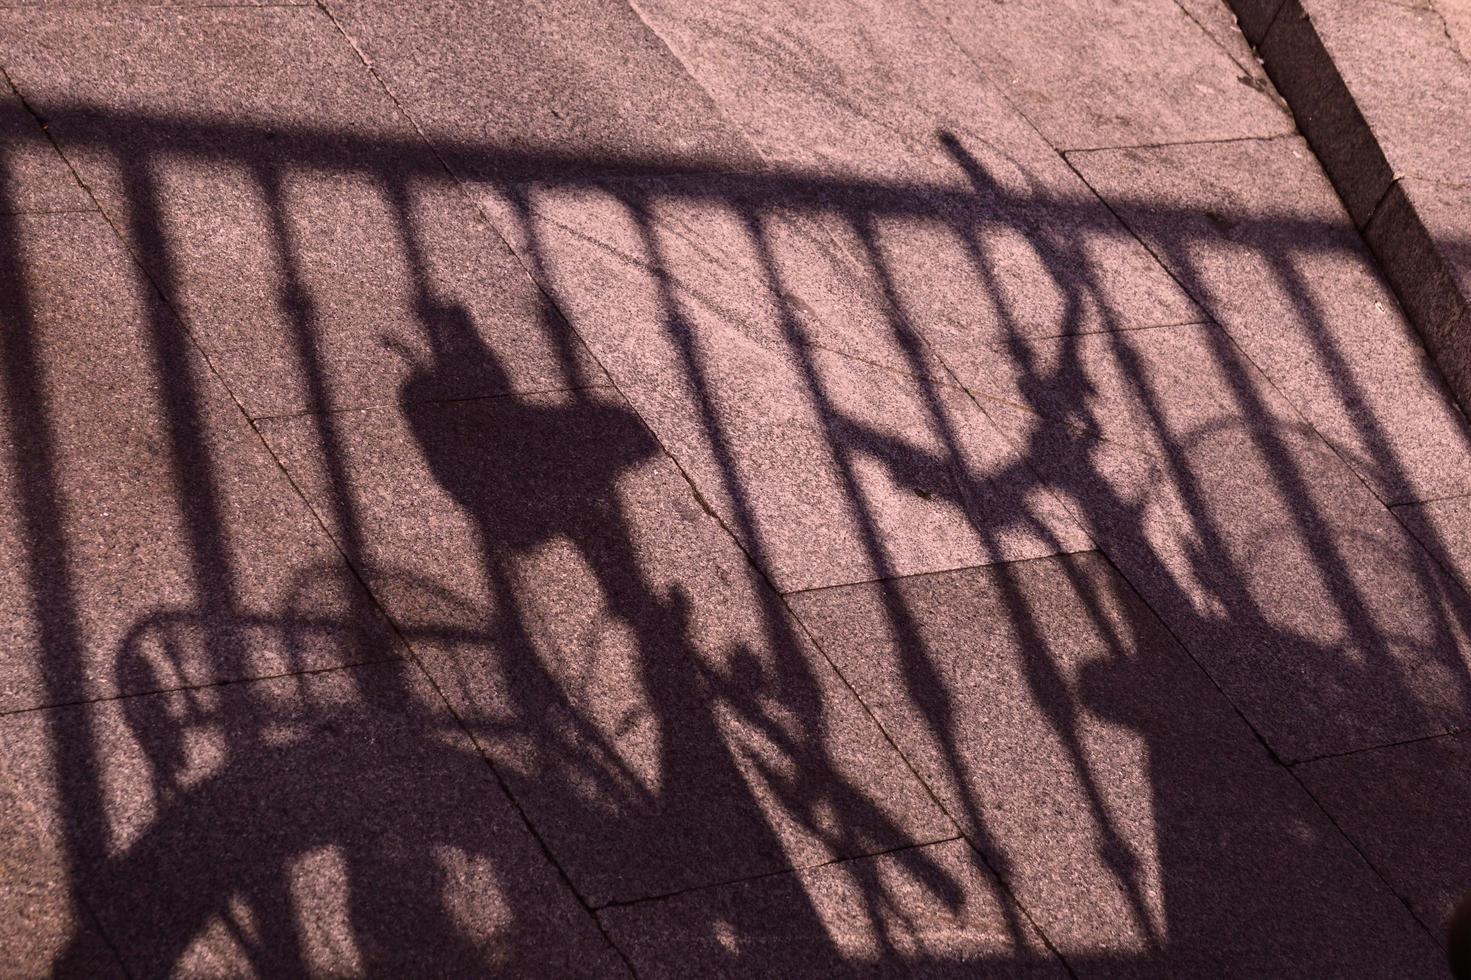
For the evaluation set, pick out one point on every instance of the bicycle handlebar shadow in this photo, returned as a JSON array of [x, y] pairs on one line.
[[529, 470]]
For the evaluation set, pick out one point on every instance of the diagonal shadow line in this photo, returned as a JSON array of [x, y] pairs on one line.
[[208, 535]]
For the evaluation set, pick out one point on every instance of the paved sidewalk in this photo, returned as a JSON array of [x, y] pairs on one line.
[[1383, 92], [853, 487]]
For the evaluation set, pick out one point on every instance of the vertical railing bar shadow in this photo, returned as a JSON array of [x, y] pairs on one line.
[[41, 507], [1330, 565], [195, 485], [1351, 392], [782, 635], [1047, 686], [216, 584], [296, 305]]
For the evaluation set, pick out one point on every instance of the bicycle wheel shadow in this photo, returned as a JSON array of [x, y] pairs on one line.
[[320, 824]]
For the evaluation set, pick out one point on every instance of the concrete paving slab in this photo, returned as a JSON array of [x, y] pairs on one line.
[[152, 541], [969, 264], [585, 82], [853, 87], [828, 468], [859, 217], [1122, 74], [1218, 20], [1120, 797], [652, 705], [1457, 17], [331, 823], [33, 177], [752, 249], [1443, 527], [895, 211], [1254, 230], [291, 212], [1317, 614], [1407, 77], [1379, 90], [1421, 233], [1405, 808], [1302, 69], [41, 916], [921, 912], [918, 161]]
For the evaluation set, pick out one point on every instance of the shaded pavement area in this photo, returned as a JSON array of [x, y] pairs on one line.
[[812, 488]]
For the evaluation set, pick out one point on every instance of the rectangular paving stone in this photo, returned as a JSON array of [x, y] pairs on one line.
[[749, 248], [828, 468], [1256, 233], [522, 89], [1306, 601], [150, 541], [1121, 799], [1408, 78], [33, 177], [961, 262], [1120, 74], [325, 824], [815, 86], [653, 707], [292, 214], [1405, 808], [1382, 90], [1302, 69], [1422, 237], [41, 916], [927, 911], [1443, 527], [1457, 17], [1219, 21], [917, 162]]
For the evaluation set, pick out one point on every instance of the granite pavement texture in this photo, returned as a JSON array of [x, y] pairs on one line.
[[665, 488], [1382, 92]]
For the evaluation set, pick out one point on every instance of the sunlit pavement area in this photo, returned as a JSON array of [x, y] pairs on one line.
[[711, 487]]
